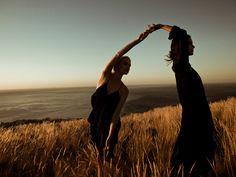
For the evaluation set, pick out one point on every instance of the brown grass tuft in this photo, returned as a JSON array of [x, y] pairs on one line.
[[145, 143]]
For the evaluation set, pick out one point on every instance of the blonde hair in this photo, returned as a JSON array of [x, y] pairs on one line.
[[119, 62]]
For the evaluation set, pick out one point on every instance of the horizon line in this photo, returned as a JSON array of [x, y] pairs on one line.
[[90, 86]]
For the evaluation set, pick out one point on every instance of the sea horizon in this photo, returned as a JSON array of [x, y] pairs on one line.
[[85, 86], [74, 102], [90, 86]]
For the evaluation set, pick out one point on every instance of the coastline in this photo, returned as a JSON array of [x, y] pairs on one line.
[[72, 103], [15, 123]]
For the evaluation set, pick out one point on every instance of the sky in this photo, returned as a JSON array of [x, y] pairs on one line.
[[67, 43]]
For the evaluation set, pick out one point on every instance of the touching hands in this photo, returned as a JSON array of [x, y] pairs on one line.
[[143, 35], [150, 29], [155, 27]]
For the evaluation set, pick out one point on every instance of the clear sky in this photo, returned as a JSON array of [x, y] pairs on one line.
[[66, 43]]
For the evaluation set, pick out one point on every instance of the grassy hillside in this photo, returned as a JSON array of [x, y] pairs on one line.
[[62, 148]]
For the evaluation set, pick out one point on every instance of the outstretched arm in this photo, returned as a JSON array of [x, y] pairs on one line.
[[155, 27], [167, 28], [115, 59]]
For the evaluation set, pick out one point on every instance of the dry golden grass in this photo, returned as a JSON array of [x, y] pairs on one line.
[[62, 149]]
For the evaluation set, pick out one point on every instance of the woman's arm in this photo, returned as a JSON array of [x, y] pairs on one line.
[[115, 59], [155, 27], [116, 116], [167, 28]]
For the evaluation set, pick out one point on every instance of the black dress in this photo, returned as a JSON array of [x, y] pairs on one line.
[[103, 108], [195, 143]]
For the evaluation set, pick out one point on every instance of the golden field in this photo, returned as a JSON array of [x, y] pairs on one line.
[[62, 148]]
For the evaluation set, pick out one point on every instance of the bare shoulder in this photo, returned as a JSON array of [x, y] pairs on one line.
[[103, 78]]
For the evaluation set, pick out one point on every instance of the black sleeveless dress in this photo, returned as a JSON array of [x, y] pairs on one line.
[[195, 143], [103, 108]]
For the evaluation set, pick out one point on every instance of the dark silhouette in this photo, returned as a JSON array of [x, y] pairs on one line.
[[108, 100], [195, 145]]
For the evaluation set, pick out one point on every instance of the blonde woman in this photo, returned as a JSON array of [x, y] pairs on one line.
[[109, 98]]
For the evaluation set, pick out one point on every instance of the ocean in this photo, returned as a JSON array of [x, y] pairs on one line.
[[68, 103]]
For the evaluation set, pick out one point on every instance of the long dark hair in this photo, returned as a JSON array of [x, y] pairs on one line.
[[179, 46]]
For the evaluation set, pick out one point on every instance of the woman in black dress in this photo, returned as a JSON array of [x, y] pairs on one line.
[[108, 100], [195, 145]]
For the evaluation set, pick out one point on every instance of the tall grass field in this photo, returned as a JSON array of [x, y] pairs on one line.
[[146, 140]]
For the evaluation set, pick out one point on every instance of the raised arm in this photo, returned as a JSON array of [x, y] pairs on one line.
[[167, 28], [155, 27], [116, 58]]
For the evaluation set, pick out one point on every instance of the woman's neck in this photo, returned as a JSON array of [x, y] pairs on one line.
[[117, 76]]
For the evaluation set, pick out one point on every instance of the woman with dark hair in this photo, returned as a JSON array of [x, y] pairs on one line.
[[108, 100], [195, 145]]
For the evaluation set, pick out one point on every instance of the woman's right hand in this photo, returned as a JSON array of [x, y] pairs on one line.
[[143, 35], [151, 28], [156, 26]]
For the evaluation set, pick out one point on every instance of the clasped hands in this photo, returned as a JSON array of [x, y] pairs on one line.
[[151, 28]]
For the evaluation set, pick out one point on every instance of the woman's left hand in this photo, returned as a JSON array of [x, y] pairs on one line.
[[150, 29], [143, 35]]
